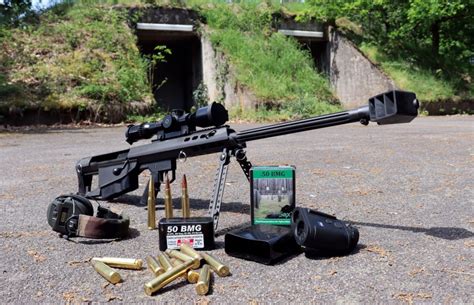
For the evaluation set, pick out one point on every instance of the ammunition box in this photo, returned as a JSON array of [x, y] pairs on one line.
[[272, 194], [196, 231]]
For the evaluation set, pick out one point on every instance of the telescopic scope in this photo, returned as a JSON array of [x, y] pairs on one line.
[[178, 123]]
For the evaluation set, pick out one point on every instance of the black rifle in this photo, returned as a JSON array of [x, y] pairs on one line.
[[177, 138]]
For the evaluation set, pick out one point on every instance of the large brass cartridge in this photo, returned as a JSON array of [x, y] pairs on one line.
[[154, 265], [189, 251], [193, 275], [164, 261], [216, 265], [165, 278], [183, 257], [176, 262], [168, 200], [107, 273], [185, 198], [119, 262], [202, 286], [151, 205]]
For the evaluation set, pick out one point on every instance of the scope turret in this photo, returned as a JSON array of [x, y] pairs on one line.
[[178, 123]]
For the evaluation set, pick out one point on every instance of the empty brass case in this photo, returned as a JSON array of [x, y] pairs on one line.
[[165, 278], [176, 262], [185, 198], [216, 265], [151, 205], [164, 261], [193, 275], [168, 200], [202, 286], [189, 251], [183, 257], [107, 273], [154, 265], [119, 262]]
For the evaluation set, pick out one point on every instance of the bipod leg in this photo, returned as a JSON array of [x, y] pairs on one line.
[[219, 184], [244, 163]]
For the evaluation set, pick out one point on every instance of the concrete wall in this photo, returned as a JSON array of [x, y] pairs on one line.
[[354, 77], [218, 77]]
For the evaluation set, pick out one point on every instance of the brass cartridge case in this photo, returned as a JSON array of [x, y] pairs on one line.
[[154, 265], [216, 265], [185, 198], [165, 278], [122, 263], [193, 275], [202, 286], [183, 257], [151, 205], [176, 262], [189, 251], [168, 200], [164, 261], [107, 273]]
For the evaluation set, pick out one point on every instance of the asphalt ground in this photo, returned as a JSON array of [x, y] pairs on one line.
[[408, 189]]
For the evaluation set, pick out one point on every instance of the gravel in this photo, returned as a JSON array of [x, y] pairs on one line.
[[407, 188]]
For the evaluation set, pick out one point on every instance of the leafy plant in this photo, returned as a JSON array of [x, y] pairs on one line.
[[159, 56]]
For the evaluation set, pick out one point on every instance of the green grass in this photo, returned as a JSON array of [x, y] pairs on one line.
[[273, 67], [75, 58], [408, 76]]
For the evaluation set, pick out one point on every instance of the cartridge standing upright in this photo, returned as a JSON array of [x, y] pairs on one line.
[[151, 204]]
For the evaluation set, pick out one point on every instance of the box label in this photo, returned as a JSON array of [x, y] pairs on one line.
[[282, 222], [272, 194], [195, 240], [273, 173]]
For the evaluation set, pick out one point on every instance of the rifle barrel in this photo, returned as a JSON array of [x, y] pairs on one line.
[[321, 121]]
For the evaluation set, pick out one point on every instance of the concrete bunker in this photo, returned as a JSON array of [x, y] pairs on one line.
[[175, 79], [311, 36], [351, 74]]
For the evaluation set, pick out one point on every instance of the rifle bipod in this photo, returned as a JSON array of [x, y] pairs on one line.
[[221, 175]]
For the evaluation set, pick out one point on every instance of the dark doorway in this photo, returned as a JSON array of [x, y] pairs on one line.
[[176, 79], [319, 52]]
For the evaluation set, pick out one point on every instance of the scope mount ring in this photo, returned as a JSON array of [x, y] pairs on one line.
[[182, 157]]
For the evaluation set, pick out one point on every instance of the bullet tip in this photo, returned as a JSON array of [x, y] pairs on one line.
[[184, 182]]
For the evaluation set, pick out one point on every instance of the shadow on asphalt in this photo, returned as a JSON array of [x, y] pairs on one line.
[[447, 233], [196, 204], [320, 255], [232, 228]]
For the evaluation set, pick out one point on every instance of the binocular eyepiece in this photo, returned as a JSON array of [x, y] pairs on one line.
[[316, 231], [178, 123]]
